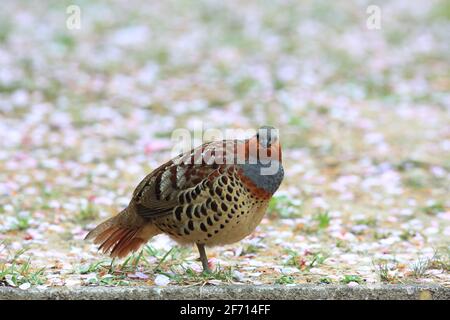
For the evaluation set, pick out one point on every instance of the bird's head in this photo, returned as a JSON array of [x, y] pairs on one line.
[[265, 144], [263, 163]]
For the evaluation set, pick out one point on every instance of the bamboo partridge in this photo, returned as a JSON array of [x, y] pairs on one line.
[[215, 194]]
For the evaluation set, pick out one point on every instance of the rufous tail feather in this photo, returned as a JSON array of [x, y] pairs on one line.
[[118, 237]]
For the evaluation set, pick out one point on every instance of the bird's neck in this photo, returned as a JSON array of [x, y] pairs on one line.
[[266, 176]]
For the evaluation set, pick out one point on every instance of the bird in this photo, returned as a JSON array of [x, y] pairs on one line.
[[212, 195]]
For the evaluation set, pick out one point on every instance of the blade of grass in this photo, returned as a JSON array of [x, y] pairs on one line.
[[162, 260]]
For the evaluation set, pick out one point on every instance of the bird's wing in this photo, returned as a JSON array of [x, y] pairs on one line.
[[174, 182]]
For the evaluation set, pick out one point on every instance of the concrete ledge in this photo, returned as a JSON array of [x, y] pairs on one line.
[[303, 292]]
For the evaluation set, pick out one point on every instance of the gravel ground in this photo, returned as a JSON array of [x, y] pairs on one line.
[[364, 118]]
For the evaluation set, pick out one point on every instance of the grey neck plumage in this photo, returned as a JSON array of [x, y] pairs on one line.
[[266, 176]]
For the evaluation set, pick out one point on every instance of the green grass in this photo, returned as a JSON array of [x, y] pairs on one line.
[[351, 278], [66, 40], [433, 209], [383, 269], [420, 267], [441, 259], [441, 10], [250, 249], [5, 29], [415, 182], [162, 260], [23, 223], [383, 272], [139, 261], [325, 280], [17, 272], [341, 244], [110, 274], [318, 259], [323, 218], [285, 279], [299, 123], [87, 213], [244, 85], [188, 275], [131, 262], [379, 235], [295, 260], [437, 261], [406, 235], [92, 267], [283, 207]]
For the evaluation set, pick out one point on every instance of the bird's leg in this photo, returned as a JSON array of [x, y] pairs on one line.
[[203, 257]]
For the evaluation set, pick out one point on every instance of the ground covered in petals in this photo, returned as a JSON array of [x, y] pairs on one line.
[[364, 118]]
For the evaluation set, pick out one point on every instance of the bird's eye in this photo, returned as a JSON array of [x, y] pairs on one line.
[[266, 136]]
